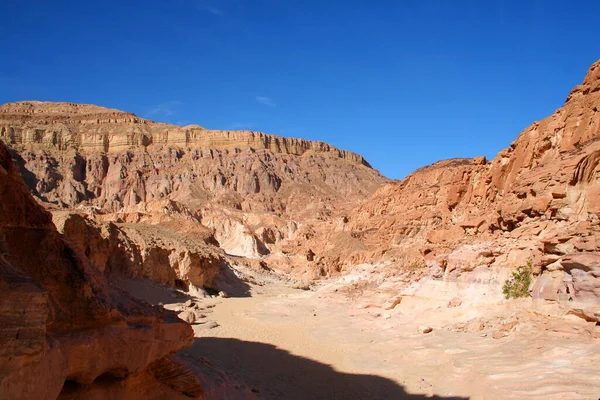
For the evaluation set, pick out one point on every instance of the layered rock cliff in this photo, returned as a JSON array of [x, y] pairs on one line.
[[88, 129], [74, 153], [249, 189], [65, 331]]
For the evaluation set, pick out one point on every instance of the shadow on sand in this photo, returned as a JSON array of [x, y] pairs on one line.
[[274, 373], [230, 283], [158, 293]]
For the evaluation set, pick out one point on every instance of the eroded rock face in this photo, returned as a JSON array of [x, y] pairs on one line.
[[112, 159], [249, 190], [537, 200], [105, 130], [63, 328], [166, 252]]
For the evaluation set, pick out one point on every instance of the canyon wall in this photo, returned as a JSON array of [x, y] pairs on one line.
[[65, 331], [111, 159], [88, 129], [536, 201], [311, 211]]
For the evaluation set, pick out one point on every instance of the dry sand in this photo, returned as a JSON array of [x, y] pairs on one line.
[[286, 343]]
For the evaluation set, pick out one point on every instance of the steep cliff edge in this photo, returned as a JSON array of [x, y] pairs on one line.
[[65, 331], [89, 128], [112, 159]]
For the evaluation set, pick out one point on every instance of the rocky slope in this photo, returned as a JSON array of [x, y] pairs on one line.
[[249, 190], [470, 219], [65, 331]]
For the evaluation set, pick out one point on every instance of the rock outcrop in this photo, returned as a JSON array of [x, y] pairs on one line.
[[65, 331], [88, 129], [179, 253], [536, 200]]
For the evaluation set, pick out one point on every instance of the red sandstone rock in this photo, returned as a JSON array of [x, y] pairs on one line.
[[62, 326], [535, 201]]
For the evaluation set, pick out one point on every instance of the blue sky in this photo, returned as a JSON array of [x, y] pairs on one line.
[[404, 83]]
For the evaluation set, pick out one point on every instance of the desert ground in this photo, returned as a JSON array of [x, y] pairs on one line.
[[329, 343]]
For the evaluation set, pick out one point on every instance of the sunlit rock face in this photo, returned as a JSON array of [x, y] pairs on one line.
[[536, 200], [250, 190], [114, 159]]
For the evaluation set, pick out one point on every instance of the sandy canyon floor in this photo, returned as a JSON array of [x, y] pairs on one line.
[[286, 343]]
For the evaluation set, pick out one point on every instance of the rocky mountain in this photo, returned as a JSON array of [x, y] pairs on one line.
[[248, 189], [462, 219], [112, 159], [308, 209]]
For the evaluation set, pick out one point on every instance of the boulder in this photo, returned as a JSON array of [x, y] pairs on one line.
[[424, 329], [187, 316]]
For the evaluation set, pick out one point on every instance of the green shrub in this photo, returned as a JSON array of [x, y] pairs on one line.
[[518, 285]]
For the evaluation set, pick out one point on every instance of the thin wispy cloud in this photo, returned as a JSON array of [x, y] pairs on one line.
[[209, 8], [267, 101], [164, 110]]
